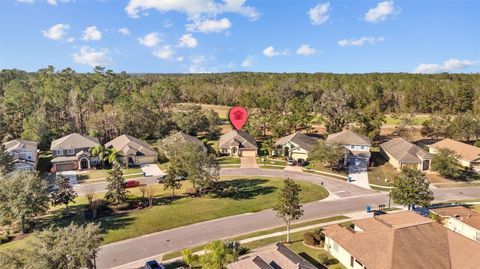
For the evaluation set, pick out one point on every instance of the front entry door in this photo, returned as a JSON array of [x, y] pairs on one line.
[[84, 164]]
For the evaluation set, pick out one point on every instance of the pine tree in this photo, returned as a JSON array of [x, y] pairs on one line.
[[171, 182], [65, 193], [116, 192], [288, 206]]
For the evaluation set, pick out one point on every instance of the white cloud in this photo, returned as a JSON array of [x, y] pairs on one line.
[[179, 59], [380, 12], [447, 66], [91, 33], [306, 50], [247, 62], [124, 31], [187, 40], [271, 52], [56, 32], [164, 52], [26, 1], [70, 40], [55, 2], [92, 57], [192, 7], [208, 26], [319, 13], [360, 41], [150, 40]]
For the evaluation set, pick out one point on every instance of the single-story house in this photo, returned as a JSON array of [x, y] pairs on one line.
[[272, 257], [358, 146], [71, 152], [24, 154], [468, 155], [297, 146], [400, 240], [460, 220], [400, 153], [180, 137], [237, 143], [132, 151]]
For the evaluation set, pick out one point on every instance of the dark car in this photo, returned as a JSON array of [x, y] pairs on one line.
[[153, 264], [379, 212], [131, 183], [162, 178]]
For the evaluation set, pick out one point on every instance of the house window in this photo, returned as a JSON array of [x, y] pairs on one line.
[[362, 147], [352, 147], [71, 151], [59, 151]]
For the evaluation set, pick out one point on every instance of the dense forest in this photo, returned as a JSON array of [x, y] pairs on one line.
[[49, 103]]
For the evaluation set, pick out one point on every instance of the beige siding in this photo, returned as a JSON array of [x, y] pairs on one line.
[[462, 228], [147, 159], [341, 254]]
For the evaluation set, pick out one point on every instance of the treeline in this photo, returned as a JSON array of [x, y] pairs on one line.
[[47, 104]]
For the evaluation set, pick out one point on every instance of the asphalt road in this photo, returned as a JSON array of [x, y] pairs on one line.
[[346, 198]]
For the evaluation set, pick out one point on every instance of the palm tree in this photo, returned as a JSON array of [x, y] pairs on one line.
[[111, 156], [100, 152]]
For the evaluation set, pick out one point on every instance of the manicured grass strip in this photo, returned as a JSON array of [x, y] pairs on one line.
[[228, 160], [178, 253], [271, 167], [458, 185]]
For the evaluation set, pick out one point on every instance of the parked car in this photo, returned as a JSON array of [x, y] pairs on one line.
[[291, 162], [153, 264], [131, 183], [379, 212], [161, 178]]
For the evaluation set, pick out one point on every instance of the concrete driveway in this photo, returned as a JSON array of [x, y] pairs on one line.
[[151, 170], [71, 175], [248, 162]]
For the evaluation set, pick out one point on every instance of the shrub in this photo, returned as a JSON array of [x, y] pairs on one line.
[[4, 237], [309, 239], [319, 235], [102, 209], [323, 258], [477, 144]]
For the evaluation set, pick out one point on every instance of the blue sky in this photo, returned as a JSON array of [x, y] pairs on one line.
[[182, 36]]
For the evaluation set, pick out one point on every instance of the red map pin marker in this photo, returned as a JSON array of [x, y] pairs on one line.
[[238, 116]]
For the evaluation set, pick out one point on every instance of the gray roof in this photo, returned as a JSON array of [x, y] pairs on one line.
[[64, 159], [404, 151], [17, 143], [244, 139], [74, 141], [182, 138], [128, 145], [304, 141], [348, 137]]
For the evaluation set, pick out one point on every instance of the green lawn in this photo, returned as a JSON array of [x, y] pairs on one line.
[[268, 161], [381, 171], [228, 160], [255, 194], [103, 173]]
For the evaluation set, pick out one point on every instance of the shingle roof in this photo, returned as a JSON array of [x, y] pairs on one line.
[[244, 139], [304, 141], [461, 213], [404, 241], [18, 143], [127, 145], [180, 137], [404, 151], [467, 152], [273, 256], [74, 140], [348, 137]]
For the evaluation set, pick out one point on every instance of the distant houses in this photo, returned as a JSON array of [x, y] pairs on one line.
[[400, 240], [132, 151], [24, 154], [468, 155], [296, 146], [400, 153], [180, 137], [71, 152], [460, 220], [357, 145], [237, 143]]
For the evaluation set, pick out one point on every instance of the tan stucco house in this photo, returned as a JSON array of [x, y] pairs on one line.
[[24, 154], [297, 146], [400, 153], [400, 240], [468, 155], [237, 143], [460, 220], [71, 152], [132, 151]]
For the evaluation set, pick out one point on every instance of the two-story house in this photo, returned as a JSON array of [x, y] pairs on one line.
[[357, 145], [24, 154], [71, 152]]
